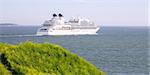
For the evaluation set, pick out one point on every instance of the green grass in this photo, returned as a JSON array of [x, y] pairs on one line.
[[42, 59]]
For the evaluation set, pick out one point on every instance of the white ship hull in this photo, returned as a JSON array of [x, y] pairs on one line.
[[70, 32]]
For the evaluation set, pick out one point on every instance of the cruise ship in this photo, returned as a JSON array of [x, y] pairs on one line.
[[75, 26]]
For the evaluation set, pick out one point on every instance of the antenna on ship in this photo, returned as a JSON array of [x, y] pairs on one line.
[[60, 15], [54, 15]]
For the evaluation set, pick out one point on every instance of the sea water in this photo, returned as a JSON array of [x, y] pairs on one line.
[[115, 50]]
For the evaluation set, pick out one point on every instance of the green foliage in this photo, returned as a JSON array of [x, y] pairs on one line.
[[3, 70], [44, 59]]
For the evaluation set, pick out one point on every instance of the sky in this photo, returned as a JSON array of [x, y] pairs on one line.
[[102, 12]]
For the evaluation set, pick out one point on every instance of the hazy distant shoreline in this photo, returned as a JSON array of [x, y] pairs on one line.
[[7, 24]]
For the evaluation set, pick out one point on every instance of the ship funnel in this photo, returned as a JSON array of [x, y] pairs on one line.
[[60, 15], [54, 15]]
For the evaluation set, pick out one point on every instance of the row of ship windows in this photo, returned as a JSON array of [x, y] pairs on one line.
[[43, 29], [64, 29], [69, 28]]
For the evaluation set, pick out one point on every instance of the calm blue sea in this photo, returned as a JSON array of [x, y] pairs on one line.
[[116, 50]]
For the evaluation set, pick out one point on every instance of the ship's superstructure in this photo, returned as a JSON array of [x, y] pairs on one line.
[[75, 26]]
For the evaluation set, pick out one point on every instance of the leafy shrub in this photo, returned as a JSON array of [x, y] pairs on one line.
[[44, 59], [3, 70]]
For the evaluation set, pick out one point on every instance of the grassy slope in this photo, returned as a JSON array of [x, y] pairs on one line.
[[43, 59]]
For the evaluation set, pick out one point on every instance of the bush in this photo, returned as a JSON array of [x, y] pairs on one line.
[[3, 70], [43, 59]]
